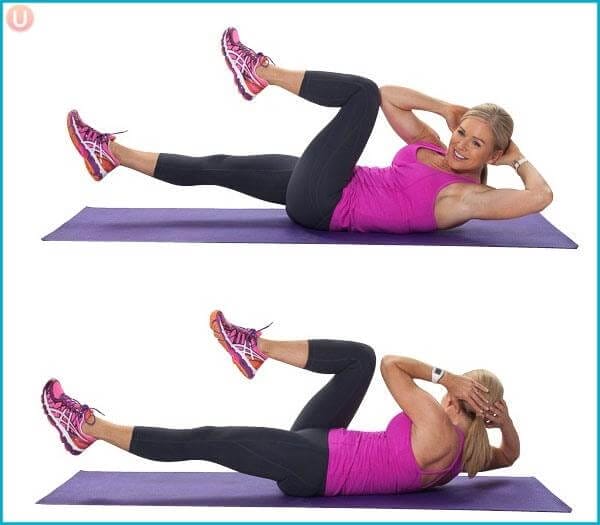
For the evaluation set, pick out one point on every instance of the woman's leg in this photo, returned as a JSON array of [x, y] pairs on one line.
[[336, 403], [296, 460], [327, 164], [265, 177]]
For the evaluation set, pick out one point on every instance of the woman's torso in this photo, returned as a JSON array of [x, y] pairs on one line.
[[400, 198], [382, 462]]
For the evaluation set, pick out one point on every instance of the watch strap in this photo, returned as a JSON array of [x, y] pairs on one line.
[[518, 163]]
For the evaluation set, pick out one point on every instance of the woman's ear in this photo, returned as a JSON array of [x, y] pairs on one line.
[[495, 156], [453, 403]]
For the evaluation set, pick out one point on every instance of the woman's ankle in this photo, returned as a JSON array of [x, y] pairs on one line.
[[90, 425], [266, 72], [116, 150]]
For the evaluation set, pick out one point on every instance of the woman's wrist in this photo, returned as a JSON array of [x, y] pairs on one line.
[[446, 379], [513, 157], [506, 425]]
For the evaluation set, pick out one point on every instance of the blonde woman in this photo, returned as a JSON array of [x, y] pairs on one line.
[[427, 186], [425, 445]]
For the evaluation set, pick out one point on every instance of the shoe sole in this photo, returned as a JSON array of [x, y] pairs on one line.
[[215, 325], [90, 162], [66, 440], [237, 76]]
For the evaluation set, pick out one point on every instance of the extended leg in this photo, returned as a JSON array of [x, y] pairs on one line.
[[296, 460], [265, 177]]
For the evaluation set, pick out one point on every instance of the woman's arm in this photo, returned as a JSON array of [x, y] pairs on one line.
[[397, 104], [399, 374], [493, 203], [510, 448]]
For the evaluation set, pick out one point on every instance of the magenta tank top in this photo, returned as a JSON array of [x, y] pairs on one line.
[[397, 199], [380, 462]]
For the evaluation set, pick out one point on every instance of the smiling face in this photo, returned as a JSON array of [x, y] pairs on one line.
[[472, 146]]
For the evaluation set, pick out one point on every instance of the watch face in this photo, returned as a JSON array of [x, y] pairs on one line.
[[437, 371]]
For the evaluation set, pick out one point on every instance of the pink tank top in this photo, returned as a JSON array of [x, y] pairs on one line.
[[397, 199], [380, 462]]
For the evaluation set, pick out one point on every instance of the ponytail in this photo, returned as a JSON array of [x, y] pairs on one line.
[[477, 452]]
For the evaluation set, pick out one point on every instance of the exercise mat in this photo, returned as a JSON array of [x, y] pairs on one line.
[[230, 489], [272, 226]]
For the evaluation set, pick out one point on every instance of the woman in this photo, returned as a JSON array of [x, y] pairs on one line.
[[427, 187], [426, 445]]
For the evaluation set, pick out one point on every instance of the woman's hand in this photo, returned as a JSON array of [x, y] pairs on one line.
[[467, 389], [497, 416], [453, 115], [511, 154]]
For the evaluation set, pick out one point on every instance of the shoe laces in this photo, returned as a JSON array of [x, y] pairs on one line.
[[245, 334], [74, 407], [249, 54], [90, 134]]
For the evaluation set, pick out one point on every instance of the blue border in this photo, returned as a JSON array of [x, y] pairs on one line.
[[303, 2], [306, 2]]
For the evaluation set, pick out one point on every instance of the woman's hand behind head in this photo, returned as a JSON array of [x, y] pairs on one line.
[[497, 416], [454, 115], [511, 154], [467, 389]]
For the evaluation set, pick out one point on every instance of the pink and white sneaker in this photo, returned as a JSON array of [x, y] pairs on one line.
[[243, 62], [67, 416], [241, 343], [92, 146]]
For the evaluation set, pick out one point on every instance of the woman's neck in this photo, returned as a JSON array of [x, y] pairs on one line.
[[474, 175], [462, 421]]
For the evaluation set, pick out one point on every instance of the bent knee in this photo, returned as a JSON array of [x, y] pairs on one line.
[[367, 357], [369, 89]]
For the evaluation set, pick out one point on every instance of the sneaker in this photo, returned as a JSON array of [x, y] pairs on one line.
[[92, 146], [243, 62], [241, 343], [67, 416]]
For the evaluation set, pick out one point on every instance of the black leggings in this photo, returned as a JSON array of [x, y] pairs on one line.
[[296, 459], [309, 186]]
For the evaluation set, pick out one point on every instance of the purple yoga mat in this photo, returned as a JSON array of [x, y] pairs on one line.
[[273, 226], [230, 489]]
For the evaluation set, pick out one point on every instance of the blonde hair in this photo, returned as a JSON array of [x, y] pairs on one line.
[[477, 452], [500, 122]]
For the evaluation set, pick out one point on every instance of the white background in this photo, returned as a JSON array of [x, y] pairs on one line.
[[124, 326]]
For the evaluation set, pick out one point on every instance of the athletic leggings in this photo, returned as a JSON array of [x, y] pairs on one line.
[[309, 186], [296, 459]]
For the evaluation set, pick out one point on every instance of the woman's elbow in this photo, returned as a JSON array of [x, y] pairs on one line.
[[510, 461], [540, 199], [544, 198], [390, 93], [384, 93], [387, 361]]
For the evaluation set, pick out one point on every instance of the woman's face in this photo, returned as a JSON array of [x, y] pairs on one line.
[[471, 145]]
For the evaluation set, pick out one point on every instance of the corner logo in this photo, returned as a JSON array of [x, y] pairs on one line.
[[19, 18]]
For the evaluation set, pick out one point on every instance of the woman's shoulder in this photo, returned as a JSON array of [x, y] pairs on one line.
[[430, 144], [409, 151]]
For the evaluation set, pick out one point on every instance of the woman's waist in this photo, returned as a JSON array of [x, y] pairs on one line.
[[371, 461]]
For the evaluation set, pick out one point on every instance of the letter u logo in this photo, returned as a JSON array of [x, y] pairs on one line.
[[19, 18]]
